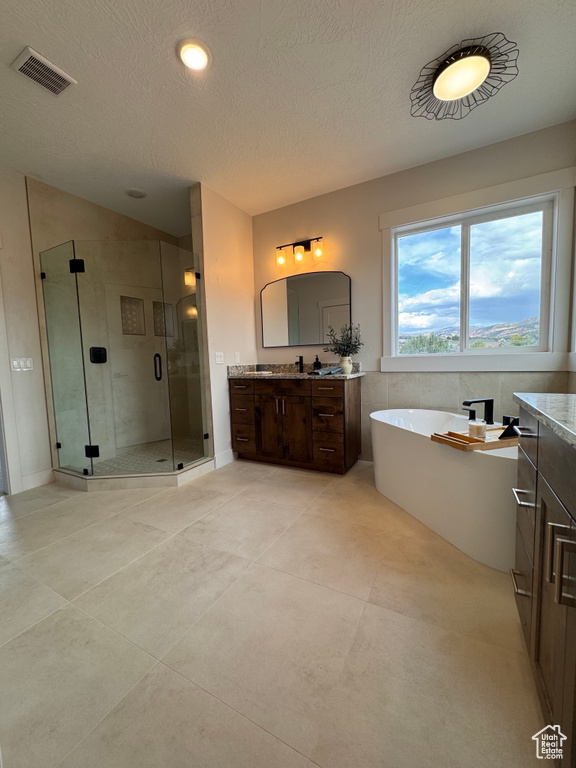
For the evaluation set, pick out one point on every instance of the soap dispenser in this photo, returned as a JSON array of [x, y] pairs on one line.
[[317, 364]]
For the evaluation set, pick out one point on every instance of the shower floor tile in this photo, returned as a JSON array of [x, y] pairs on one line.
[[151, 457]]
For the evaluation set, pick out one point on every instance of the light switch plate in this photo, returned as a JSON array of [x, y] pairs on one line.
[[236, 357], [219, 358]]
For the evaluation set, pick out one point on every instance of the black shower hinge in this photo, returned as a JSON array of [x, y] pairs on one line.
[[180, 466], [42, 275], [198, 276], [92, 451], [58, 445], [206, 435], [76, 265]]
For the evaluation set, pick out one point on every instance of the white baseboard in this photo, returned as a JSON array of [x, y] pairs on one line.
[[223, 458], [36, 479]]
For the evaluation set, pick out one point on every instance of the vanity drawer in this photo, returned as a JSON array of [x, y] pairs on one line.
[[522, 580], [242, 386], [526, 501], [528, 441], [328, 388], [281, 387], [328, 414], [243, 438], [242, 409], [329, 450]]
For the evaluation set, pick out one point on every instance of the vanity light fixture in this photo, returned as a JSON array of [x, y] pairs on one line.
[[464, 77], [192, 312], [190, 278], [193, 54], [300, 249]]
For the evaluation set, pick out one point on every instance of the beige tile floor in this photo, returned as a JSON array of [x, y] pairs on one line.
[[260, 617]]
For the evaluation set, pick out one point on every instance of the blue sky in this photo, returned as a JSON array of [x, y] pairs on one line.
[[505, 264]]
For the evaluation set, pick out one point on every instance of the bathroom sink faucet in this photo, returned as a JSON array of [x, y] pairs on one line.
[[300, 364], [488, 407]]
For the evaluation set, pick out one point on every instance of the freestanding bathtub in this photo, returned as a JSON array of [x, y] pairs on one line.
[[465, 497]]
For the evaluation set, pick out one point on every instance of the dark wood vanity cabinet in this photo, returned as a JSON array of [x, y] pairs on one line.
[[545, 571], [303, 423]]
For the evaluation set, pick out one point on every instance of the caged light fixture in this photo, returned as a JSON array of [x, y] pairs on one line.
[[300, 250], [467, 75]]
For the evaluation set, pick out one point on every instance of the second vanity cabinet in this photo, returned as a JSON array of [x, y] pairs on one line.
[[545, 571], [298, 422]]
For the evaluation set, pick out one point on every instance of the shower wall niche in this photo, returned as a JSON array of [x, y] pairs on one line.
[[124, 336]]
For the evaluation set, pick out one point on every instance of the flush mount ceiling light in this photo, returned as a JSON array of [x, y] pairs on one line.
[[464, 77], [193, 54]]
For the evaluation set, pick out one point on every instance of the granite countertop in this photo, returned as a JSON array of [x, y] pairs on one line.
[[286, 371], [276, 376], [557, 412]]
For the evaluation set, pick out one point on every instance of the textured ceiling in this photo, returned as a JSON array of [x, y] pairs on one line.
[[303, 96]]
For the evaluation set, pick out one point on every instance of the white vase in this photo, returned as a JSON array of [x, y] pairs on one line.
[[346, 364]]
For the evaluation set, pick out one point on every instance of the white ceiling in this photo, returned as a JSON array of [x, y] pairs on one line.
[[303, 96]]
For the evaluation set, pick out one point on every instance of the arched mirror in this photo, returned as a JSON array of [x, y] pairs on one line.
[[298, 310]]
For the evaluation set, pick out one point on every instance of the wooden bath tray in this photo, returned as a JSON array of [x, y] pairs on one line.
[[463, 442]]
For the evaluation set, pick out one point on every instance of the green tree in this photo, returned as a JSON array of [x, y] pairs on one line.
[[517, 340], [424, 344], [477, 343]]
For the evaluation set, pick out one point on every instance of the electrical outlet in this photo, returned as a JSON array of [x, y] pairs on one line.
[[236, 357], [219, 358]]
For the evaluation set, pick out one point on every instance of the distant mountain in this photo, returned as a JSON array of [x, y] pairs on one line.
[[528, 327]]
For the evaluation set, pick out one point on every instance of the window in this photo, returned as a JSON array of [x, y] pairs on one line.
[[475, 283]]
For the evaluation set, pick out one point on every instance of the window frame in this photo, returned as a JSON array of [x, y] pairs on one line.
[[548, 204], [563, 280]]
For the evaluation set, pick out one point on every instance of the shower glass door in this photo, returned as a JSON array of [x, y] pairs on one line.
[[125, 357], [66, 364]]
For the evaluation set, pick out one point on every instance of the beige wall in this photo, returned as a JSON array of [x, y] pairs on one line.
[[446, 391], [23, 397], [349, 222], [222, 236]]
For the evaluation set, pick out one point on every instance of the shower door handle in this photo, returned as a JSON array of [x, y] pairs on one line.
[[157, 367]]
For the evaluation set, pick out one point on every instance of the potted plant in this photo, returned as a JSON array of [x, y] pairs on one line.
[[345, 345]]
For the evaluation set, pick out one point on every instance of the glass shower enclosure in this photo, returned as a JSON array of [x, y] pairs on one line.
[[125, 348]]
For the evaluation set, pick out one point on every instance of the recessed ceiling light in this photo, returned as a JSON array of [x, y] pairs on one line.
[[193, 54], [135, 192]]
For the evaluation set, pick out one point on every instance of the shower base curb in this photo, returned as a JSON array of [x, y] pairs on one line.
[[125, 482]]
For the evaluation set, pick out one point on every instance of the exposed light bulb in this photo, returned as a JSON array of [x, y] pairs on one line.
[[461, 78], [194, 55], [280, 256]]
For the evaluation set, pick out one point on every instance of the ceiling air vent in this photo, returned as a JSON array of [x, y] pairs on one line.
[[42, 71]]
